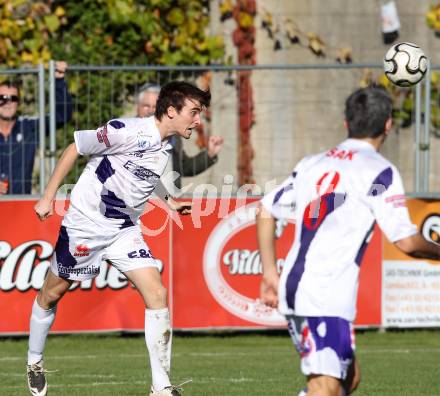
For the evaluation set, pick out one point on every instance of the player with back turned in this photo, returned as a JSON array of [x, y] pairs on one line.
[[335, 197]]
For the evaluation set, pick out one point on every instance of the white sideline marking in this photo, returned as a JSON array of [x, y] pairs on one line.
[[117, 383], [64, 375], [211, 354], [135, 355]]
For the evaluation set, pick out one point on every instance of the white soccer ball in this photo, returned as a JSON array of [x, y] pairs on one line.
[[405, 64]]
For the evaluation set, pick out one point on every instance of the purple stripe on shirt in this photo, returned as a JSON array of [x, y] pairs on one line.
[[364, 245], [112, 204], [104, 170], [331, 201], [117, 124], [280, 193], [381, 183]]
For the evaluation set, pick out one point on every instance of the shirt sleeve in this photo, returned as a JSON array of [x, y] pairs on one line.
[[388, 202], [280, 202], [114, 137]]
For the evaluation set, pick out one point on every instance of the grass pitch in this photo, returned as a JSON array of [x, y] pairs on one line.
[[394, 363]]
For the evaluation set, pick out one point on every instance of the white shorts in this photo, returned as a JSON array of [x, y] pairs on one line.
[[326, 344], [78, 257]]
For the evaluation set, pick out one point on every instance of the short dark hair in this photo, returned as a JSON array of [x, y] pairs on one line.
[[11, 83], [367, 111], [174, 94]]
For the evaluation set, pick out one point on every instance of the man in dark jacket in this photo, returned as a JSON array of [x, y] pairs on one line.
[[19, 136], [183, 164]]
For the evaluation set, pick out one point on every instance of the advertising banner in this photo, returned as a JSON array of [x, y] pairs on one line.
[[221, 262], [411, 288], [107, 302], [211, 267]]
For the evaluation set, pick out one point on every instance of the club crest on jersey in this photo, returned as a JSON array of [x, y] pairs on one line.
[[143, 140], [81, 251]]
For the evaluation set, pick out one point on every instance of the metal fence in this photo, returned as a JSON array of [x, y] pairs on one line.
[[297, 110]]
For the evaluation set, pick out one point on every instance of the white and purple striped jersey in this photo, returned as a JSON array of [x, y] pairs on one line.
[[127, 159], [336, 198]]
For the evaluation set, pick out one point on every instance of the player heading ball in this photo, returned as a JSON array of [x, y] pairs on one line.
[[127, 156]]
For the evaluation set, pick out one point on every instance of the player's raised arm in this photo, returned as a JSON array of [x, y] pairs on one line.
[[43, 208]]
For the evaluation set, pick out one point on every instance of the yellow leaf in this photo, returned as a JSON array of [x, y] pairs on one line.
[[245, 20], [60, 11], [383, 80], [226, 6], [26, 57]]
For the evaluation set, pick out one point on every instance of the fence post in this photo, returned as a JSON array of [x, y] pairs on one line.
[[418, 89], [42, 125], [426, 135], [52, 123]]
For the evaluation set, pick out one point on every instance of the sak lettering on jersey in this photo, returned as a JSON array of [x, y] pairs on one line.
[[341, 154], [141, 172]]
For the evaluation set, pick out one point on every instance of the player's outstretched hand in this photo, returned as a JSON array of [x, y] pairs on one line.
[[43, 208], [184, 208], [269, 290]]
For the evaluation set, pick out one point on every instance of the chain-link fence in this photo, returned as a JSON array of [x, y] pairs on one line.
[[289, 111]]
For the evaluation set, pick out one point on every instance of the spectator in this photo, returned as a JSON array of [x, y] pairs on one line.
[[183, 164], [19, 135]]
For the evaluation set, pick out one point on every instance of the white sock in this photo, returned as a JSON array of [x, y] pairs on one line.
[[40, 323], [158, 340]]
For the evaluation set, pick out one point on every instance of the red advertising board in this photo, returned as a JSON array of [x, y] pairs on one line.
[[108, 302], [210, 263]]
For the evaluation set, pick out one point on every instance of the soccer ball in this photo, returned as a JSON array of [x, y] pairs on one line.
[[405, 64]]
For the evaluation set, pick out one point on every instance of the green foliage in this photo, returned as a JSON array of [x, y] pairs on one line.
[[127, 32], [404, 102], [25, 28], [157, 32], [106, 32], [433, 17]]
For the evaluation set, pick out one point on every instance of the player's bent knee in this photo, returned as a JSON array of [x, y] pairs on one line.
[[48, 298], [157, 297]]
